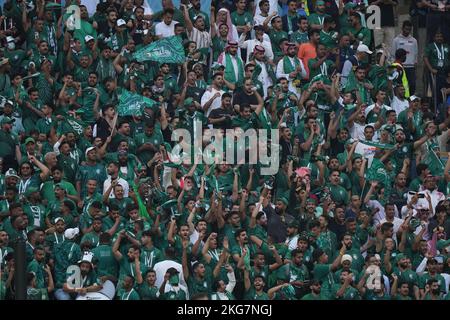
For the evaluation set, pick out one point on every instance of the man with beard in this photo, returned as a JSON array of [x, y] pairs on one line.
[[113, 177], [140, 25], [130, 264], [191, 89], [316, 20], [234, 66], [123, 133], [353, 251], [93, 237], [432, 291], [315, 294], [37, 266], [432, 275], [406, 274], [263, 72], [47, 189], [89, 282], [55, 235], [197, 31], [150, 254], [198, 281], [92, 96], [291, 67], [359, 34], [68, 165], [9, 143], [323, 271], [430, 189], [400, 188], [4, 249], [299, 274], [261, 39], [247, 95], [35, 238], [106, 30], [255, 291], [221, 118], [211, 98], [345, 290], [128, 292], [404, 149], [66, 253], [92, 169], [28, 176], [34, 208], [166, 27]]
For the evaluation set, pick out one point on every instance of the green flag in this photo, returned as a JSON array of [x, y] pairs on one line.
[[166, 50], [377, 172], [434, 162], [132, 104], [368, 149]]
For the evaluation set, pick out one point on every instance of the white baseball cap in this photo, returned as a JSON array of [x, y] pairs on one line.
[[89, 149], [363, 48], [9, 39], [121, 22], [71, 233], [346, 257], [88, 38]]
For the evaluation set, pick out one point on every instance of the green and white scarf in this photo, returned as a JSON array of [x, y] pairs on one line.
[[230, 73]]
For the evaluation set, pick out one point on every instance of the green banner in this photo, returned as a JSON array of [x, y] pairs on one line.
[[166, 50], [132, 104], [434, 163]]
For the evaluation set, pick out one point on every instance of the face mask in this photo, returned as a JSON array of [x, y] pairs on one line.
[[11, 45]]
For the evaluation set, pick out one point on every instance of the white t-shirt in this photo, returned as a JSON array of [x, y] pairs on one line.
[[215, 104], [163, 30], [122, 182], [357, 131], [273, 6], [399, 105]]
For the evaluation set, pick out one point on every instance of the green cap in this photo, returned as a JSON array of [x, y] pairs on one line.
[[283, 199], [29, 139], [59, 185], [8, 120], [399, 257], [349, 5], [293, 224], [320, 3], [188, 102], [79, 111], [30, 191]]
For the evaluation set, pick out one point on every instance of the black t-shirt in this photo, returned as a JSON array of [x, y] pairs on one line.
[[138, 34], [336, 147], [219, 113], [240, 98]]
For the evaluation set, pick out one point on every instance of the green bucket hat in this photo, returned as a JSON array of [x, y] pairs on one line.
[[188, 102]]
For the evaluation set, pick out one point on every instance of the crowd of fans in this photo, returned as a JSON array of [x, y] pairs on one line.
[[358, 209]]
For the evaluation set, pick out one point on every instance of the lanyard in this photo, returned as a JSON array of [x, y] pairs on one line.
[[56, 238], [128, 296], [321, 20], [323, 69], [214, 254], [132, 272], [23, 186], [441, 53], [149, 262]]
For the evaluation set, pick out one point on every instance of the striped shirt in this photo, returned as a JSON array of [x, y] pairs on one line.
[[202, 38]]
